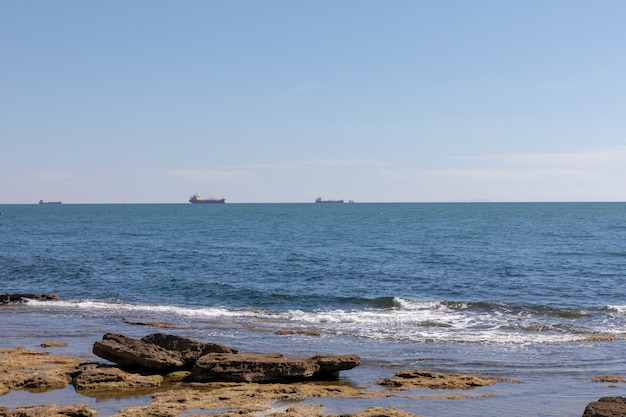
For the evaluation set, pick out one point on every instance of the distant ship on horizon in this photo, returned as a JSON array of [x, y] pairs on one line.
[[319, 200], [49, 202], [195, 199]]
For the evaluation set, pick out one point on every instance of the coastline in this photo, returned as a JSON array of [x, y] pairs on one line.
[[41, 372], [345, 397], [555, 380]]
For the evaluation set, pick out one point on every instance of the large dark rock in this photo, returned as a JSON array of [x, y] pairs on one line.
[[134, 353], [606, 407], [250, 367], [190, 349], [162, 353], [14, 298]]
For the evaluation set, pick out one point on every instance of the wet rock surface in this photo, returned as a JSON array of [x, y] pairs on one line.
[[606, 407], [410, 379], [77, 410], [16, 298]]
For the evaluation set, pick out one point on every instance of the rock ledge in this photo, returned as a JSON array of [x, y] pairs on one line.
[[209, 362]]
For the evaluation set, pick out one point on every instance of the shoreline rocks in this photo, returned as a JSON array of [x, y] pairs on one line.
[[209, 362], [18, 298], [134, 353], [94, 377], [263, 368], [175, 393], [209, 376], [411, 379], [35, 371], [606, 407]]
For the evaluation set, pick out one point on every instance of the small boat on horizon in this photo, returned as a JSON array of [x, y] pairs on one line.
[[195, 199], [319, 200], [49, 202]]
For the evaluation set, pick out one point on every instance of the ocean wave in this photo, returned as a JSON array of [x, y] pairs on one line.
[[382, 319], [620, 309], [119, 307]]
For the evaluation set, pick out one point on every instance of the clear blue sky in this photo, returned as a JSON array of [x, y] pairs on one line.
[[283, 101]]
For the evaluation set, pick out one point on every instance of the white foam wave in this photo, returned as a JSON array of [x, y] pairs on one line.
[[411, 305], [618, 309], [90, 305], [409, 321]]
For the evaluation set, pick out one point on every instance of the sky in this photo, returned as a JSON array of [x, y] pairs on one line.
[[151, 101]]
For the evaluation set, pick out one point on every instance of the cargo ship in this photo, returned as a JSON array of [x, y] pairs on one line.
[[49, 202], [319, 200], [195, 199]]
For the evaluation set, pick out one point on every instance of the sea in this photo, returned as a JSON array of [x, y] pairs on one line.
[[533, 292]]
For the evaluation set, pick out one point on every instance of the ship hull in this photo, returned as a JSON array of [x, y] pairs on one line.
[[319, 200], [221, 201]]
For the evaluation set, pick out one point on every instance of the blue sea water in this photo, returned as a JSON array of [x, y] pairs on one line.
[[507, 289]]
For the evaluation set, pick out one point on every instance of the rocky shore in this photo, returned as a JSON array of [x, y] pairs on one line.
[[183, 375], [195, 378]]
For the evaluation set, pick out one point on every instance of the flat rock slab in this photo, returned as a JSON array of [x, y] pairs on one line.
[[108, 378], [34, 370], [264, 368], [411, 379]]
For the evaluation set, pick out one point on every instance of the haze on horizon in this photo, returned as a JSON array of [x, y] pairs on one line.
[[281, 101]]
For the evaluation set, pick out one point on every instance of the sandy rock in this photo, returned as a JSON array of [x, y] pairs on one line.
[[614, 379], [45, 381], [135, 353], [606, 407], [240, 399], [77, 410], [381, 412], [410, 379], [36, 371], [108, 378], [54, 343]]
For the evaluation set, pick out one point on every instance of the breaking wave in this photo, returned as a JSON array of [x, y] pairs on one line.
[[387, 318]]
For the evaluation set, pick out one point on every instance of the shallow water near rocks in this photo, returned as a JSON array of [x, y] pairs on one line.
[[105, 407]]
